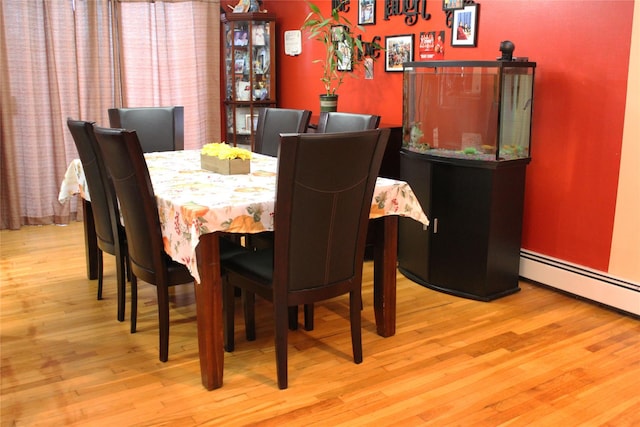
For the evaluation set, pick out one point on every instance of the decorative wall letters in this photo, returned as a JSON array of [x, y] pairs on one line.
[[411, 9], [370, 48]]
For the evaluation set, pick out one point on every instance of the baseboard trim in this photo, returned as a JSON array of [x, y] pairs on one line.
[[577, 280]]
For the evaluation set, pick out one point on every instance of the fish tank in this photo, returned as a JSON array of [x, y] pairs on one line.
[[476, 110]]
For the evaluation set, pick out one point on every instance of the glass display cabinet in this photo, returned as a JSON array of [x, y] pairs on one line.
[[249, 81], [466, 144]]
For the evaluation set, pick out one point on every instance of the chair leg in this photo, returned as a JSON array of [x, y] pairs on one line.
[[355, 302], [281, 331], [121, 282], [308, 317], [163, 321], [100, 274], [228, 293], [248, 304], [127, 263], [293, 318], [134, 302]]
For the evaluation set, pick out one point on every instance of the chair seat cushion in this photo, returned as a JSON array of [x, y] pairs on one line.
[[229, 248], [258, 264]]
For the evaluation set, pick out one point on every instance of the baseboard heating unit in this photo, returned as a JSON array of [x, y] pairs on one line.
[[581, 281]]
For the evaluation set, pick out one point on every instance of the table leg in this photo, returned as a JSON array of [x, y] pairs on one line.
[[385, 258], [90, 241], [209, 311]]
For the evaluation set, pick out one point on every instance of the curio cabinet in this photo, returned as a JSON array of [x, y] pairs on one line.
[[249, 80]]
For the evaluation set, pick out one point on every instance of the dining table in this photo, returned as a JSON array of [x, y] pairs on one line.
[[196, 206]]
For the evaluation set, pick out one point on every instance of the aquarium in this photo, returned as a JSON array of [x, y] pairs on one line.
[[477, 110]]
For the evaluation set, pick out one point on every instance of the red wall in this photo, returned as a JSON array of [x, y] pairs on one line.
[[582, 54]]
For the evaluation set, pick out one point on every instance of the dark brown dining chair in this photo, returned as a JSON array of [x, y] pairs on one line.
[[110, 233], [149, 262], [346, 122], [323, 198], [158, 128], [332, 121], [271, 123], [274, 121]]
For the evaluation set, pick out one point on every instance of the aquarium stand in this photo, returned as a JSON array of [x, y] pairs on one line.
[[472, 246]]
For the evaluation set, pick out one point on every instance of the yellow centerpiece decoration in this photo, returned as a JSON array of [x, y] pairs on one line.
[[224, 159]]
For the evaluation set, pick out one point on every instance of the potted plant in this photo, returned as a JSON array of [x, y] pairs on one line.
[[343, 50]]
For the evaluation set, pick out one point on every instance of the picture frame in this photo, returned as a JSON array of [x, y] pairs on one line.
[[345, 61], [243, 91], [464, 30], [238, 66], [337, 33], [368, 68], [452, 4], [398, 50], [240, 38], [367, 12], [258, 35], [251, 122], [431, 45]]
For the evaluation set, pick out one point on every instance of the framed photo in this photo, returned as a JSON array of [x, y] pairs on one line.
[[257, 35], [337, 33], [464, 31], [367, 12], [344, 53], [251, 122], [238, 67], [240, 38], [431, 45], [452, 4], [398, 50], [368, 68]]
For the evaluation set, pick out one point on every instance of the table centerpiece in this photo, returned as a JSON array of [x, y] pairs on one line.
[[224, 159]]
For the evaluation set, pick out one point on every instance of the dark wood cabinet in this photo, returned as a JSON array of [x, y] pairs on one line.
[[249, 79], [472, 246]]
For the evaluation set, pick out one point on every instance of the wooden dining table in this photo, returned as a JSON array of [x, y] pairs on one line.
[[195, 206]]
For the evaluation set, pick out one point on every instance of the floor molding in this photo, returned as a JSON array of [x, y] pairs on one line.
[[577, 280]]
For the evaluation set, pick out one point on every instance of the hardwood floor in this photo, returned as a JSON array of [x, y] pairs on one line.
[[534, 358]]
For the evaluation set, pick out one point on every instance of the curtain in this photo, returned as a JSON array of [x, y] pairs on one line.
[[77, 58], [170, 55]]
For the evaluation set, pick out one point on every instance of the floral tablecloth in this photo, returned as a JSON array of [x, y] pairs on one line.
[[193, 202]]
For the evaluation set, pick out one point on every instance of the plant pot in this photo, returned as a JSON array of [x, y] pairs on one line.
[[328, 103], [225, 166]]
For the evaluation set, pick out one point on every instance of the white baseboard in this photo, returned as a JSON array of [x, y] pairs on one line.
[[590, 284]]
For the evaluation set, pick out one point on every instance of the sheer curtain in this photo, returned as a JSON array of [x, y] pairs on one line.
[[170, 55], [77, 58]]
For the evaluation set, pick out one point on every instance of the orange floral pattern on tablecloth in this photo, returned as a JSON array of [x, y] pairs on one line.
[[193, 202]]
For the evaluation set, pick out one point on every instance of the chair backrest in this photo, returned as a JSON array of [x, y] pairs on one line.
[[324, 191], [158, 128], [125, 162], [104, 205], [346, 122], [274, 121]]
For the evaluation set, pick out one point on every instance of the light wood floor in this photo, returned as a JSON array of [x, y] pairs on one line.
[[534, 358]]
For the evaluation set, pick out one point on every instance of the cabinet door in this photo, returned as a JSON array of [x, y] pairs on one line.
[[460, 209], [413, 240], [261, 58]]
